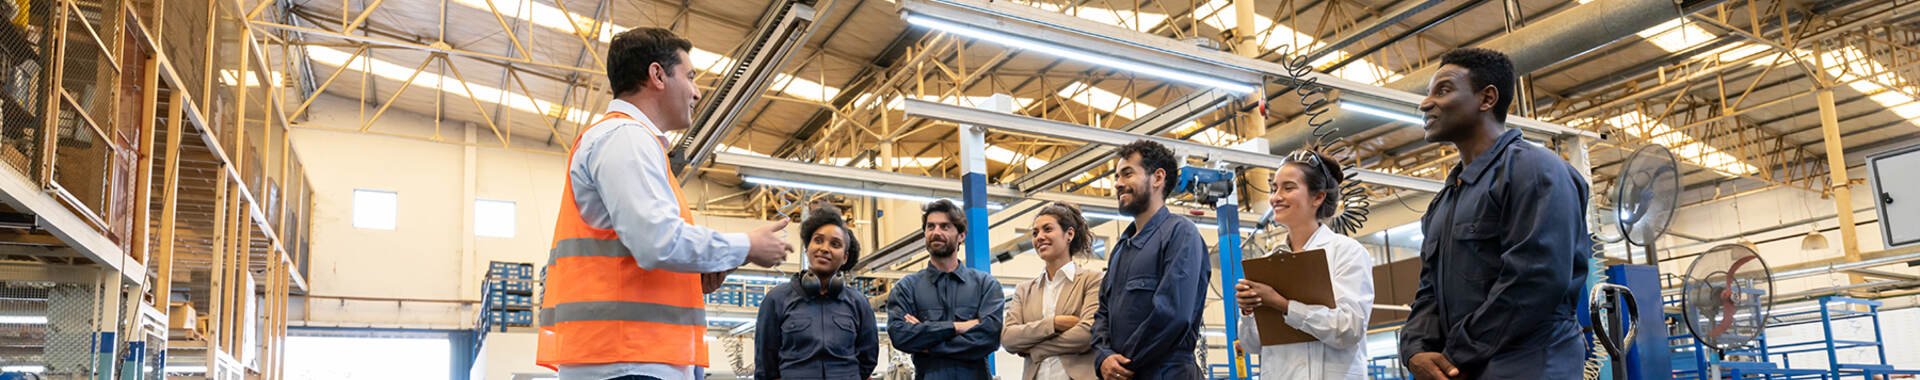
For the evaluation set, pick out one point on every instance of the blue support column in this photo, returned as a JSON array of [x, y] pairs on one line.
[[133, 361], [973, 188], [1228, 217], [973, 185], [103, 358]]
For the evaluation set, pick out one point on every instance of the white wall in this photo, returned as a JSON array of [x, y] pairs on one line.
[[1770, 208]]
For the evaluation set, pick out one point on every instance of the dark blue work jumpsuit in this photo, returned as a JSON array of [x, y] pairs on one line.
[[1152, 297], [1502, 266], [815, 336], [938, 299]]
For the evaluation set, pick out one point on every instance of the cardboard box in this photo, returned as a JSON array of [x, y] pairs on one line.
[[180, 316]]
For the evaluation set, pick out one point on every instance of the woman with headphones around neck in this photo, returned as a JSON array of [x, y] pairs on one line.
[[816, 326], [1305, 191], [1050, 320]]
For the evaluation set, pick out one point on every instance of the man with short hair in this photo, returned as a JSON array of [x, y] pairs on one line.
[[627, 270], [947, 315], [1507, 243], [1156, 283]]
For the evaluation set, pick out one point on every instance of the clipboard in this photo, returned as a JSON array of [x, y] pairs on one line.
[[1300, 276]]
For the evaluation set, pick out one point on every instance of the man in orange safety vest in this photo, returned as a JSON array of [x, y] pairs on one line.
[[628, 268]]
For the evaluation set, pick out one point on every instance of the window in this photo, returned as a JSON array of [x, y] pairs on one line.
[[493, 218], [374, 209], [368, 354]]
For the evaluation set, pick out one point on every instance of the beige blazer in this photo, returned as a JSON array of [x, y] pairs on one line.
[[1028, 332]]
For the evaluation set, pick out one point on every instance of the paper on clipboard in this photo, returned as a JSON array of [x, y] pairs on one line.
[[1300, 276]]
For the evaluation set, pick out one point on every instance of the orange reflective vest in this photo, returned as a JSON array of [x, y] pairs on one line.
[[600, 307]]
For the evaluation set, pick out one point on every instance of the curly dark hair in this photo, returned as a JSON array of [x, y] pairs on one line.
[[1068, 216], [959, 218], [1323, 176], [1486, 68], [632, 52], [1154, 156], [828, 215]]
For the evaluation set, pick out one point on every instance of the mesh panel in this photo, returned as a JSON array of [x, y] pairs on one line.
[[47, 326], [184, 43], [25, 49], [81, 160], [90, 73], [23, 334], [70, 313]]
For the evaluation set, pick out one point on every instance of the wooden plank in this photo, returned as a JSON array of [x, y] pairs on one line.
[[49, 139], [23, 237], [143, 180], [230, 248], [243, 294], [219, 283], [169, 197]]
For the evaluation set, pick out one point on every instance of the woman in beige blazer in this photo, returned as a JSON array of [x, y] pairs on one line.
[[1050, 321]]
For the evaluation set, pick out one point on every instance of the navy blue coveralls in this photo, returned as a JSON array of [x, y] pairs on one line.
[[1502, 266], [1152, 297]]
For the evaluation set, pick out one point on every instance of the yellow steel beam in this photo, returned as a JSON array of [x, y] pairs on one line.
[[324, 84], [504, 140], [426, 48], [355, 24], [368, 124]]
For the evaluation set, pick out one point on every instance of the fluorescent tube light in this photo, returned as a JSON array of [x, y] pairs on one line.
[[758, 180], [1085, 57], [729, 319], [1106, 216], [756, 277], [1390, 115]]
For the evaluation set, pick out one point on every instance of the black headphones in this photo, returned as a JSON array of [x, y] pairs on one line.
[[811, 283]]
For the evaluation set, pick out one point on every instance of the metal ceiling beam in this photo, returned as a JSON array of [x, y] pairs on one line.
[[1073, 132], [1636, 90], [1354, 35], [1065, 167], [788, 26], [900, 183], [437, 48], [1094, 36]]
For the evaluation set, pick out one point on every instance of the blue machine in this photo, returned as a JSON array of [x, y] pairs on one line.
[[1648, 356], [1215, 186]]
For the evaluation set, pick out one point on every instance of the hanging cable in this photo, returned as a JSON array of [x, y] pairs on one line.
[[1355, 202]]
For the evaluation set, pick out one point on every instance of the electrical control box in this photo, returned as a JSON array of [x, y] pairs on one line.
[[1896, 194]]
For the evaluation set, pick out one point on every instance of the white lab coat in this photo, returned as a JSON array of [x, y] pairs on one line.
[[1341, 350]]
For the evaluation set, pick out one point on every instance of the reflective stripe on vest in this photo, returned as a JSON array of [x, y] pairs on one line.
[[599, 306], [622, 311]]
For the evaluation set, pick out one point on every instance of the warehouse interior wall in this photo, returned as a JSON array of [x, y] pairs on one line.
[[1722, 222]]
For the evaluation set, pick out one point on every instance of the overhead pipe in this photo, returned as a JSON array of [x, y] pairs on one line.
[[1540, 44]]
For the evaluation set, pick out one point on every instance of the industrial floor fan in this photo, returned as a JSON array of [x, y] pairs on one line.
[[1645, 192], [1727, 295]]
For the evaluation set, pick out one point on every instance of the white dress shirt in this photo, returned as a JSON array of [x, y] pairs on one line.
[[620, 181], [1340, 350], [1050, 287]]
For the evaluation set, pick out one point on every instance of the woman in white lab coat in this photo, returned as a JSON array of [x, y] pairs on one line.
[[1305, 192]]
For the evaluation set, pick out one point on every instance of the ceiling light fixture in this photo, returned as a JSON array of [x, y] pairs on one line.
[[764, 181], [1074, 54], [1376, 111]]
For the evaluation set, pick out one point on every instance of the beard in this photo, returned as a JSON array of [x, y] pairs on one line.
[[1138, 205], [946, 250]]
